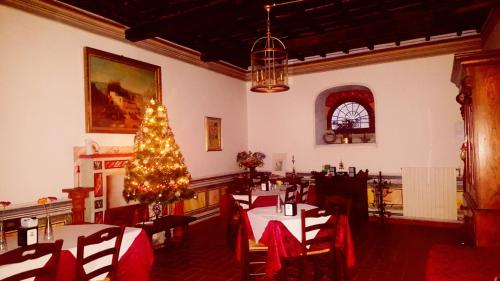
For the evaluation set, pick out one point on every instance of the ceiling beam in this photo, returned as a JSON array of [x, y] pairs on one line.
[[403, 23]]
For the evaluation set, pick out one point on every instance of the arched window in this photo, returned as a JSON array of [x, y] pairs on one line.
[[350, 115]]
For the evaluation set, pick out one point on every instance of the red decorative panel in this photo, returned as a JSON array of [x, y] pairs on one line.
[[98, 184], [98, 217], [115, 164], [336, 98]]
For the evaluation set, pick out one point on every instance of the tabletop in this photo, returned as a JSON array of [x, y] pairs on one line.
[[70, 233], [260, 217]]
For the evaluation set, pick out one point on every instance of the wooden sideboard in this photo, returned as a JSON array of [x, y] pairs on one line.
[[477, 75], [351, 187]]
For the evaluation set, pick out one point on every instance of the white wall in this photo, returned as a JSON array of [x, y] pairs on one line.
[[418, 122], [42, 106]]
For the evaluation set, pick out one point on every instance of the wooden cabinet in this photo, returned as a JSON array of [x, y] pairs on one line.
[[478, 77], [351, 187]]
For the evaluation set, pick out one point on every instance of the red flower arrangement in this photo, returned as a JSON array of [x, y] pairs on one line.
[[4, 205], [250, 159], [46, 201]]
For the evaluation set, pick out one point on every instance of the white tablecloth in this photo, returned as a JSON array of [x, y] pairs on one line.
[[260, 217], [70, 233]]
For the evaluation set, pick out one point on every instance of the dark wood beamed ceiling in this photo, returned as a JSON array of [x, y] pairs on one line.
[[224, 30]]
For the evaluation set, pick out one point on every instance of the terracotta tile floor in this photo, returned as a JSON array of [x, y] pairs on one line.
[[384, 253]]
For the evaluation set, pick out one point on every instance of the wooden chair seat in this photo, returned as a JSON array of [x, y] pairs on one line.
[[253, 254], [256, 246]]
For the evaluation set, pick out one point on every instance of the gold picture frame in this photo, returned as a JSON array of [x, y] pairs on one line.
[[213, 133], [117, 90]]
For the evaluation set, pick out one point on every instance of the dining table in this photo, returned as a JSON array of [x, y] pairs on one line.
[[134, 263], [260, 198], [282, 234]]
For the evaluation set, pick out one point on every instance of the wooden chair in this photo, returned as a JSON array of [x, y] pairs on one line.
[[318, 255], [290, 194], [247, 202], [22, 254], [233, 218], [113, 251], [253, 254], [303, 192]]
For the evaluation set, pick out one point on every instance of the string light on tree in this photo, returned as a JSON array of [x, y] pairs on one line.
[[156, 173]]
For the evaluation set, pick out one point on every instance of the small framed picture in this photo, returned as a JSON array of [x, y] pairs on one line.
[[213, 133], [352, 171]]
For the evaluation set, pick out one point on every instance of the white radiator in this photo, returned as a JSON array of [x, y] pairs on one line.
[[429, 192]]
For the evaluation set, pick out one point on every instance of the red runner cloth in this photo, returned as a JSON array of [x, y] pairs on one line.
[[265, 201], [135, 264], [282, 243]]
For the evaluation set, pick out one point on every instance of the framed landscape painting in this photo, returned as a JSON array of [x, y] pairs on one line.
[[117, 90], [213, 133]]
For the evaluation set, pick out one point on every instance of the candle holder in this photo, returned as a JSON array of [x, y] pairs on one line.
[[278, 202], [381, 189]]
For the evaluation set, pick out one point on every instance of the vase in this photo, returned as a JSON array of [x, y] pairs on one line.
[[3, 240], [48, 234], [279, 208]]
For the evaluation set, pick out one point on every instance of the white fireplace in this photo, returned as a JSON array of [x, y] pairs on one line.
[[104, 172]]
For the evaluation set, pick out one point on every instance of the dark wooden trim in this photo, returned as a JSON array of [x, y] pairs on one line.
[[87, 21], [59, 207], [450, 46], [105, 155], [471, 203], [489, 25], [471, 58], [215, 177]]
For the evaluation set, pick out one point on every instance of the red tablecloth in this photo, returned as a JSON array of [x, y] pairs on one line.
[[135, 264], [281, 243]]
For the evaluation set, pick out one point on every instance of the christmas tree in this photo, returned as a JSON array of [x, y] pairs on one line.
[[157, 172]]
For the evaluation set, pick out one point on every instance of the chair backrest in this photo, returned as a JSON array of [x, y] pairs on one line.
[[338, 204], [324, 223], [290, 194], [240, 184], [304, 191], [31, 252], [113, 251], [247, 201]]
